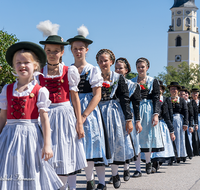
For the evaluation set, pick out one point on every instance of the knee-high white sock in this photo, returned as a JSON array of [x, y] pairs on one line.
[[64, 180], [137, 163], [126, 166], [89, 171], [72, 182], [101, 174], [114, 169], [148, 157]]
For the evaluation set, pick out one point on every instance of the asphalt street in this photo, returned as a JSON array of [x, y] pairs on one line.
[[183, 176]]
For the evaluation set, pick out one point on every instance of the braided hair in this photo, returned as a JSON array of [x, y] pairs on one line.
[[109, 52], [142, 59], [126, 63]]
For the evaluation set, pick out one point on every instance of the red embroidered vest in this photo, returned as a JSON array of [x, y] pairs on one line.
[[58, 87], [22, 107]]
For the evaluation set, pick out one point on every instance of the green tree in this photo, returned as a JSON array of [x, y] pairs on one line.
[[6, 40], [131, 75], [184, 75]]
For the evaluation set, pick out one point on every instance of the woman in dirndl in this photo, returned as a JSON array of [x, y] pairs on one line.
[[180, 120], [166, 124], [196, 133]]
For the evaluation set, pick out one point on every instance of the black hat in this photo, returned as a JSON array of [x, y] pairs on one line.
[[38, 50], [183, 88], [195, 90], [79, 38], [161, 85], [175, 84], [54, 39]]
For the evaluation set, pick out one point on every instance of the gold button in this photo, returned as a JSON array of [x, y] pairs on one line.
[[59, 92], [58, 83], [59, 97], [24, 100], [62, 80], [59, 88], [12, 99], [32, 95], [11, 106], [23, 106], [12, 113], [45, 80], [23, 113]]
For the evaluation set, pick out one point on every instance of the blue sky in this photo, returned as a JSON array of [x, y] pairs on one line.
[[129, 28]]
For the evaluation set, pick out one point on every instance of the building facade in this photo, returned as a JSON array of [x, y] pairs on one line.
[[183, 34]]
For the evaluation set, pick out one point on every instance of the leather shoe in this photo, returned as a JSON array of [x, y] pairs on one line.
[[126, 175], [101, 187], [116, 181], [90, 185], [110, 181], [137, 174], [148, 168]]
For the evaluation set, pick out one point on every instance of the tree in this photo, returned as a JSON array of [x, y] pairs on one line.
[[184, 75], [131, 75], [6, 40]]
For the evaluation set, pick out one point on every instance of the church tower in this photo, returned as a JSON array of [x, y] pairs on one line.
[[183, 35]]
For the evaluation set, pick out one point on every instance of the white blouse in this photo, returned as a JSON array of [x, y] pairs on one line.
[[73, 75], [43, 101], [95, 78]]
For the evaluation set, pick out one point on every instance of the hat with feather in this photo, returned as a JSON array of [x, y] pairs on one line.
[[82, 34], [50, 31]]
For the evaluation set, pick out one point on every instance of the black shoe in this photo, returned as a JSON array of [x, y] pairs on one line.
[[101, 187], [110, 181], [90, 185], [155, 167], [148, 168], [126, 175], [137, 174], [184, 159], [116, 181], [153, 170]]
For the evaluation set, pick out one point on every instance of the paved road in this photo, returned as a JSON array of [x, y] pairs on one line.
[[183, 176]]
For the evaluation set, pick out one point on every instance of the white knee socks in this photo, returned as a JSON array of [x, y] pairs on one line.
[[89, 171], [101, 174]]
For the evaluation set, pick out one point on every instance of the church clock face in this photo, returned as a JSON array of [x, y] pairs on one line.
[[177, 58]]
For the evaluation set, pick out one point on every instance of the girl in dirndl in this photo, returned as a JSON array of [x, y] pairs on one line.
[[123, 67], [24, 147], [116, 114], [150, 138], [90, 95], [67, 129]]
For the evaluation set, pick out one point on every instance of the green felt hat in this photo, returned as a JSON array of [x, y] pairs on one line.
[[54, 39], [38, 50], [79, 38]]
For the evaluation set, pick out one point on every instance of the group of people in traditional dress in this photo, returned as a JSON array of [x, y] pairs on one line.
[[56, 120]]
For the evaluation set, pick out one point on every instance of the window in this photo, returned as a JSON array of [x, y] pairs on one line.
[[178, 41], [178, 22], [187, 23], [194, 42]]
